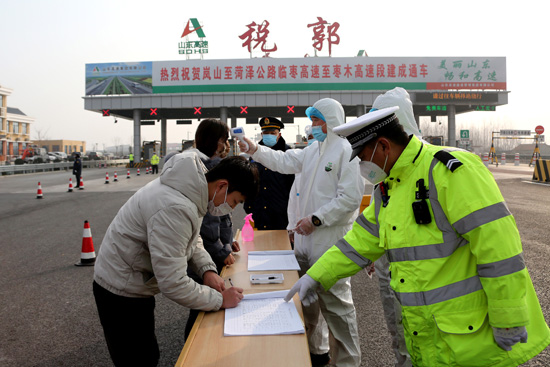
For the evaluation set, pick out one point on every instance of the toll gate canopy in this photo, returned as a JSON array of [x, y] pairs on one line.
[[232, 89]]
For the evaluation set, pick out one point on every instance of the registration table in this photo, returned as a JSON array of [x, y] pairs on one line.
[[207, 346]]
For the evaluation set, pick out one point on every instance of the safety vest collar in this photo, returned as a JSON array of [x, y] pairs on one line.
[[409, 159]]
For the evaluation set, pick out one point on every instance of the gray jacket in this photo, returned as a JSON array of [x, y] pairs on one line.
[[155, 236]]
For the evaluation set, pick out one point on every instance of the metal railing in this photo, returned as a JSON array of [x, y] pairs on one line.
[[58, 166]]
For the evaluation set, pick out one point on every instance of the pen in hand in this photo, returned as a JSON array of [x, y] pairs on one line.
[[230, 282]]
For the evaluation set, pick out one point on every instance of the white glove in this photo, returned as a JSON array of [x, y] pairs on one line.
[[305, 286], [506, 338], [305, 226], [252, 147]]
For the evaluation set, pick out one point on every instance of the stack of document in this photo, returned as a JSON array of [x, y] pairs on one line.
[[272, 260], [263, 314]]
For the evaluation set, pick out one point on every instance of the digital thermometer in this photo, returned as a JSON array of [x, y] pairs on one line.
[[238, 133]]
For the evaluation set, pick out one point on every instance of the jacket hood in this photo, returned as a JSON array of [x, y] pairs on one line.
[[399, 97], [184, 172], [333, 112]]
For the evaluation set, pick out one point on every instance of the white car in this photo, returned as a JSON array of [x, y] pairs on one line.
[[62, 156]]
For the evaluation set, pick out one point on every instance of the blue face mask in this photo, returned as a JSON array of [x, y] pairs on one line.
[[318, 134], [269, 140], [310, 141]]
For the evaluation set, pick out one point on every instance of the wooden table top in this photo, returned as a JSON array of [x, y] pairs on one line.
[[207, 346]]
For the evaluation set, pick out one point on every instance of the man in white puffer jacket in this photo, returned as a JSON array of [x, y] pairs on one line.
[[331, 189], [151, 242]]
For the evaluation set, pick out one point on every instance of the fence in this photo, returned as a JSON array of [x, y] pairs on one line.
[[43, 167]]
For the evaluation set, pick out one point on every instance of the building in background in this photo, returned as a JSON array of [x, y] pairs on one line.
[[15, 128], [62, 145]]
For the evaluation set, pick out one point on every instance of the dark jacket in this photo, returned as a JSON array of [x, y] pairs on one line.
[[77, 166], [269, 209]]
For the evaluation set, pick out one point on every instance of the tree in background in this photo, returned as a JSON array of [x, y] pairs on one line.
[[480, 132]]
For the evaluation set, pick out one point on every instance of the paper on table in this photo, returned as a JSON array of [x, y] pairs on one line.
[[263, 314], [272, 260]]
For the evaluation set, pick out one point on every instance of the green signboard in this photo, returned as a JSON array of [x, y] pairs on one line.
[[464, 134]]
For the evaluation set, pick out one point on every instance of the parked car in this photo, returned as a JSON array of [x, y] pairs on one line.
[[62, 155], [95, 155], [54, 157]]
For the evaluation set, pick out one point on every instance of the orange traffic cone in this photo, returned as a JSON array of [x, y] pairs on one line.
[[107, 177], [81, 183], [138, 172], [128, 174], [87, 256], [116, 177], [146, 170], [70, 185], [39, 194]]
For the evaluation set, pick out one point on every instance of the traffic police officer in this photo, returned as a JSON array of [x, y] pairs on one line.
[[131, 158], [155, 163], [455, 252], [270, 206]]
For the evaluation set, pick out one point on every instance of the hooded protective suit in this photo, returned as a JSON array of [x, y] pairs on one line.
[[331, 188], [392, 310]]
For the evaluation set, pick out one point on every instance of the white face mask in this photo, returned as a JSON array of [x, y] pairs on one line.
[[221, 209], [371, 171]]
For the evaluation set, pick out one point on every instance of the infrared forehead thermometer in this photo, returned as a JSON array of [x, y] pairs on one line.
[[238, 132]]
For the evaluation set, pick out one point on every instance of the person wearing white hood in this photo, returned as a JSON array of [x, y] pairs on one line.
[[392, 309], [331, 189]]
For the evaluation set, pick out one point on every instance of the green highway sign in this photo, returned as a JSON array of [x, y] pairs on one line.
[[464, 134]]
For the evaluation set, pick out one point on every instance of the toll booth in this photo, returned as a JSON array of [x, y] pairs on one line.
[[186, 144], [434, 140], [148, 148]]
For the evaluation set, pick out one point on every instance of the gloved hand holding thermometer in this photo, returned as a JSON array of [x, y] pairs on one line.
[[238, 133]]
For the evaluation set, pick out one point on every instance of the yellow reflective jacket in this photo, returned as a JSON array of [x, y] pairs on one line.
[[455, 276], [155, 159]]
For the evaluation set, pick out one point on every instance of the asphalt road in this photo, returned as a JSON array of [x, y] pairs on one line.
[[47, 311]]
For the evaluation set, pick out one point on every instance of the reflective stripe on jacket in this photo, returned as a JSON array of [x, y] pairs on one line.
[[454, 277]]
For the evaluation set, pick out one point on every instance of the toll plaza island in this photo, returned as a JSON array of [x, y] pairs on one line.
[[158, 91], [150, 92]]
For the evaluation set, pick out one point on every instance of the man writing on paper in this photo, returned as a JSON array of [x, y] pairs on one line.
[[455, 252], [151, 242], [331, 190]]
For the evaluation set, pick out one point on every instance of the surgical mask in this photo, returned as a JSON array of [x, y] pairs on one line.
[[310, 141], [269, 140], [221, 209], [318, 134], [371, 171]]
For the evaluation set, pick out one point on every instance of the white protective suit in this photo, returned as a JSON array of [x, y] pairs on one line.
[[392, 309], [331, 188], [317, 336]]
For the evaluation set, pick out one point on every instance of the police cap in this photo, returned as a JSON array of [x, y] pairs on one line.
[[271, 123], [363, 129]]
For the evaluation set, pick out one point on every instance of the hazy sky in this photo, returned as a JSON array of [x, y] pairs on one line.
[[45, 44]]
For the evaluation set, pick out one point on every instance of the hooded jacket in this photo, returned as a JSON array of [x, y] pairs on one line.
[[216, 231], [155, 237], [330, 185]]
